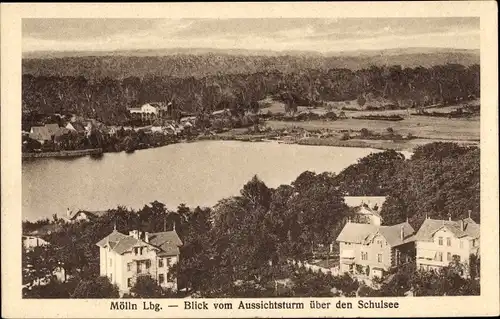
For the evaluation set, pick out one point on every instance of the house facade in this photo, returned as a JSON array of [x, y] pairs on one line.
[[153, 110], [438, 242], [30, 242], [123, 258], [371, 250], [40, 134]]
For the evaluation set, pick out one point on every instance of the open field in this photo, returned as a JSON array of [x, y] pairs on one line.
[[277, 107], [419, 126]]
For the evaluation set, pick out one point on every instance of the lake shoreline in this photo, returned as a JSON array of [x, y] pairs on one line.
[[378, 144]]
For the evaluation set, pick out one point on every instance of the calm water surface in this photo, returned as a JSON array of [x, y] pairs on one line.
[[198, 173]]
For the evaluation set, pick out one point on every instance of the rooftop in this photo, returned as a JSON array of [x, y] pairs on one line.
[[363, 233], [371, 201], [431, 226], [167, 243]]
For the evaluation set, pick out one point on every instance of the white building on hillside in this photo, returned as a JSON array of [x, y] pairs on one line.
[[125, 257], [438, 241]]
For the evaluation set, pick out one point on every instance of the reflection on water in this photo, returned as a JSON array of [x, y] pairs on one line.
[[193, 173]]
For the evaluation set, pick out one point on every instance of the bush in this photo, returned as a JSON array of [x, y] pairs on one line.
[[99, 287]]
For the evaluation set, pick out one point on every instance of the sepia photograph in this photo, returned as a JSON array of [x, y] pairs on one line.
[[267, 159]]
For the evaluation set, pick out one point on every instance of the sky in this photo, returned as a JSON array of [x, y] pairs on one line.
[[276, 34]]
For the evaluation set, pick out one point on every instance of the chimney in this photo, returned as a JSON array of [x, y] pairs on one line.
[[146, 237], [134, 233], [68, 212], [462, 225], [402, 233], [469, 212]]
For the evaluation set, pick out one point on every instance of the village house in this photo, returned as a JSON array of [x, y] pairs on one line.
[[76, 127], [153, 110], [73, 217], [123, 258], [370, 250], [366, 208], [439, 241], [40, 134], [31, 241]]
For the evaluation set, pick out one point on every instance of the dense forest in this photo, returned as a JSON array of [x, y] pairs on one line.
[[107, 97], [187, 63], [248, 238]]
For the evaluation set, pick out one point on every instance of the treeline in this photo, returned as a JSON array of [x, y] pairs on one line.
[[201, 65], [249, 238], [108, 98]]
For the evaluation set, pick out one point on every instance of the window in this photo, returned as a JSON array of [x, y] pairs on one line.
[[448, 256], [379, 242], [129, 266], [448, 241], [364, 255], [169, 262], [440, 256], [379, 258], [111, 277], [129, 282], [148, 264], [136, 250], [161, 278], [160, 262], [440, 241]]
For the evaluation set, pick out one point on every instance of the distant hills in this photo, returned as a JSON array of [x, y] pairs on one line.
[[200, 62]]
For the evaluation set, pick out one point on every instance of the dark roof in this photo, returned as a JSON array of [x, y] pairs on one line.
[[431, 226], [88, 213], [40, 133], [167, 243], [393, 234], [363, 233], [79, 127]]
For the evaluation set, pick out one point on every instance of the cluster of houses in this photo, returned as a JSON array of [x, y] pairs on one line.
[[370, 249], [53, 132]]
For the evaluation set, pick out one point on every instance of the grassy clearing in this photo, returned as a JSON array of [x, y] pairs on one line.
[[420, 126]]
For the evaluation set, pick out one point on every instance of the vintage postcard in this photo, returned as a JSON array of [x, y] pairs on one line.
[[249, 160]]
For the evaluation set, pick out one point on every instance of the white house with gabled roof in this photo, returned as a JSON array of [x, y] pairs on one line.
[[125, 257], [438, 242]]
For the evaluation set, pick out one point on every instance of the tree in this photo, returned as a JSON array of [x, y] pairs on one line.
[[365, 132], [97, 287], [146, 287], [361, 100]]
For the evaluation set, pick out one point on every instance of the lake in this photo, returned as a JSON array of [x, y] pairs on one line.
[[199, 173]]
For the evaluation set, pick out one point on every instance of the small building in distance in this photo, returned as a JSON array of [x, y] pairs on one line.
[[76, 126], [40, 134], [366, 208], [82, 215], [153, 110], [123, 258], [31, 241], [438, 242]]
